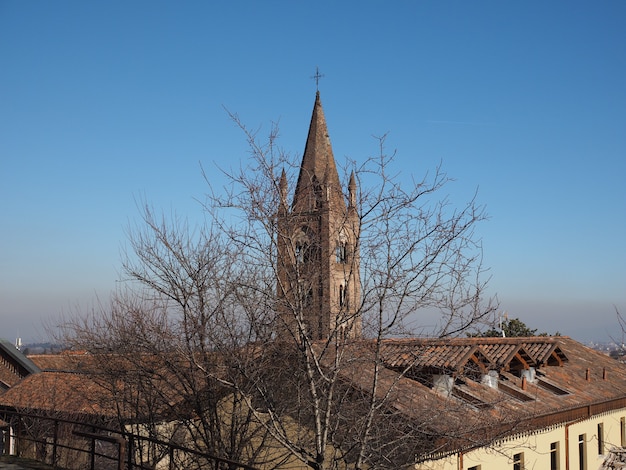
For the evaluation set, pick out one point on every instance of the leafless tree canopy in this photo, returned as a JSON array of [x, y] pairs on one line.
[[200, 316]]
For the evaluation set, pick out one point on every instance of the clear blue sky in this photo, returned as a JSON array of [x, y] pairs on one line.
[[106, 103]]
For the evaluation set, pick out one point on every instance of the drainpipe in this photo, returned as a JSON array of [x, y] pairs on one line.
[[567, 447], [576, 421]]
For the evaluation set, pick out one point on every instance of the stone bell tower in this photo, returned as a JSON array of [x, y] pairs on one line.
[[318, 245]]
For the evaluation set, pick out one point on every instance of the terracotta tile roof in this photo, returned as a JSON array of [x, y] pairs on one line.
[[62, 392], [66, 361], [107, 385], [569, 377], [101, 385], [453, 354]]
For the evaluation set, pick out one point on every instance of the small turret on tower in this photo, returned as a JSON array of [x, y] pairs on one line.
[[282, 187], [352, 192]]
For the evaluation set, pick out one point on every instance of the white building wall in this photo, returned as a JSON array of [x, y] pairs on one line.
[[535, 447]]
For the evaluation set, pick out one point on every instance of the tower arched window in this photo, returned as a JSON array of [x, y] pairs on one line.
[[341, 252], [342, 295], [300, 251], [303, 249]]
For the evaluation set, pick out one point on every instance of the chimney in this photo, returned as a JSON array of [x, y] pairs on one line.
[[490, 379], [605, 374], [443, 383], [588, 375], [530, 374]]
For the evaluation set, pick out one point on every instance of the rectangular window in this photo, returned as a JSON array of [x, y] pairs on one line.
[[600, 438], [582, 452], [554, 456], [518, 461], [340, 253], [299, 252]]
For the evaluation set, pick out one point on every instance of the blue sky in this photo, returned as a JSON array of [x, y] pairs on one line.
[[103, 104]]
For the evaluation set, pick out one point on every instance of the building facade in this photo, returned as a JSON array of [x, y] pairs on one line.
[[560, 409], [582, 444]]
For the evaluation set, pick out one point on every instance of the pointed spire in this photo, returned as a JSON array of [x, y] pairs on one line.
[[318, 162]]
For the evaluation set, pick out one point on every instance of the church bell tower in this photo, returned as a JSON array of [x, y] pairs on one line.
[[318, 245]]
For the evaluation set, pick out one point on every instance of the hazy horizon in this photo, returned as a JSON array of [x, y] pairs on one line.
[[105, 105]]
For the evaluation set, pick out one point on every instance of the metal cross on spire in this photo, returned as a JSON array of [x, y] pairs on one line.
[[317, 77]]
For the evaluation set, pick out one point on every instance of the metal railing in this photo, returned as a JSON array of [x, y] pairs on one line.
[[77, 445]]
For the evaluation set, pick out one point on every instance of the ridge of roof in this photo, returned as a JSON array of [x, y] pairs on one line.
[[474, 340]]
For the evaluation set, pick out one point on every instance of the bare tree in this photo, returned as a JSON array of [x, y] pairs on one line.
[[210, 315], [157, 348], [416, 252]]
